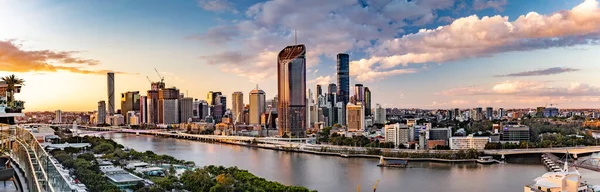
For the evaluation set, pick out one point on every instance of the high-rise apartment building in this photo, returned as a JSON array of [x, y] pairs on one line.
[[58, 116], [398, 133], [319, 90], [257, 105], [343, 77], [153, 106], [186, 109], [489, 113], [237, 105], [380, 115], [111, 93], [101, 112], [355, 117], [291, 89], [367, 101]]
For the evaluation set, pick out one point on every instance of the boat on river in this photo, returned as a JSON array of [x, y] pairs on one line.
[[487, 160], [400, 163]]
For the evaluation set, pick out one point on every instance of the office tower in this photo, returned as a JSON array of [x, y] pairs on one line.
[[111, 93], [380, 113], [130, 101], [237, 102], [309, 105], [501, 113], [291, 87], [275, 105], [477, 115], [332, 94], [319, 90], [359, 93], [167, 106], [202, 109], [367, 102], [101, 112], [223, 101], [58, 117], [343, 77], [489, 113], [456, 113], [153, 106], [170, 111], [186, 110], [209, 98], [143, 110], [257, 105], [356, 117]]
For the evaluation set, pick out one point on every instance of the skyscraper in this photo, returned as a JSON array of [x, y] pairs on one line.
[[101, 112], [343, 77], [356, 117], [291, 87], [167, 106], [130, 101], [111, 93], [143, 109], [237, 102], [185, 109], [58, 117], [257, 105], [319, 90], [359, 93], [489, 113], [367, 102]]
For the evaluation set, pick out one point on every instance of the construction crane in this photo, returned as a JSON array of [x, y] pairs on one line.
[[150, 81], [162, 79]]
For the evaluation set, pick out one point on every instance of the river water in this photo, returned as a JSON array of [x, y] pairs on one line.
[[330, 173]]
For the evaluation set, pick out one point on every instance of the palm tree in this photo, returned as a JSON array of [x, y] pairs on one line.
[[12, 81]]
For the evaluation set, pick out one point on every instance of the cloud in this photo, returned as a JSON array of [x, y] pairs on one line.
[[526, 88], [322, 80], [14, 59], [472, 36], [497, 5], [540, 72], [325, 27], [217, 5], [445, 19]]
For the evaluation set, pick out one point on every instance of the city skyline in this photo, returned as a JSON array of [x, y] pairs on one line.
[[517, 59]]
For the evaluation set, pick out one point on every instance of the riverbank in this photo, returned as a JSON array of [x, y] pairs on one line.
[[468, 156], [87, 168]]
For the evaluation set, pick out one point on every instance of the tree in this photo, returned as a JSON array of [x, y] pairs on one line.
[[11, 82], [104, 148]]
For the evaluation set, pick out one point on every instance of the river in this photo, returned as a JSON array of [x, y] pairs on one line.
[[330, 173]]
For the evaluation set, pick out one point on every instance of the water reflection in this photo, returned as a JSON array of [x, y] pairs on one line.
[[330, 173]]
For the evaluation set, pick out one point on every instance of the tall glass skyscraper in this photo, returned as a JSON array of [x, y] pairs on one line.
[[343, 83], [291, 86], [111, 93], [343, 77], [367, 101]]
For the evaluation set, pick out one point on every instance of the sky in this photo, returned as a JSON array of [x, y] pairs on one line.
[[410, 53]]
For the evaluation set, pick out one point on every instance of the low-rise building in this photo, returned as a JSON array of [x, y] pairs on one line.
[[468, 142], [431, 144], [121, 178], [515, 133]]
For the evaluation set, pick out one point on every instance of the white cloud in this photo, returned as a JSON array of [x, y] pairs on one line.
[[526, 88], [497, 5], [472, 36], [217, 5], [325, 27], [322, 80]]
